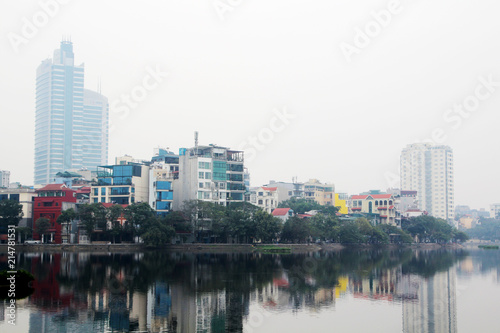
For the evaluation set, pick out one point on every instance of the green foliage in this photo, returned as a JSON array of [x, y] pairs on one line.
[[399, 235], [42, 225], [66, 217], [11, 212], [429, 229], [300, 206], [488, 229], [156, 233], [267, 226], [297, 230], [138, 215]]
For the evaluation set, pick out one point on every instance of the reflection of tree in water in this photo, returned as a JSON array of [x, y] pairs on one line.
[[236, 276]]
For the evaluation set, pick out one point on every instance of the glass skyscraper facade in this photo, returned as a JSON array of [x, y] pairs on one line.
[[71, 125]]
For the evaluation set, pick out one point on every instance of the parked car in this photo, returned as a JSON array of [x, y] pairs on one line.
[[31, 241]]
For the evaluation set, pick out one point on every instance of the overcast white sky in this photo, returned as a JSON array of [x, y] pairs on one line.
[[226, 76]]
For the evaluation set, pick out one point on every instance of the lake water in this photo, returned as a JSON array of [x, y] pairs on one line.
[[345, 291]]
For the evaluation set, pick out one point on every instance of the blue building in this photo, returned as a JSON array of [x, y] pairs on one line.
[[71, 125], [164, 170]]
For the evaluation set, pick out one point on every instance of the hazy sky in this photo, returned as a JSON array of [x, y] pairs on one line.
[[353, 100]]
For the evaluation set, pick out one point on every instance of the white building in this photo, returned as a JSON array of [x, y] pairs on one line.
[[283, 213], [25, 197], [286, 190], [495, 210], [428, 169], [122, 184], [264, 197], [209, 173], [4, 178]]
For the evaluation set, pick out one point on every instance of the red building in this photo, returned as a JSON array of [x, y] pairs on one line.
[[50, 202]]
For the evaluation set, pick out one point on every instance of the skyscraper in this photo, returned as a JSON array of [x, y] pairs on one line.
[[428, 169], [71, 125]]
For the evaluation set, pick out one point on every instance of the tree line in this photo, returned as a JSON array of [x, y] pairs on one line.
[[239, 222]]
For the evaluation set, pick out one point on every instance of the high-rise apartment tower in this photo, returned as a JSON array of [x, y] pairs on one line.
[[428, 169]]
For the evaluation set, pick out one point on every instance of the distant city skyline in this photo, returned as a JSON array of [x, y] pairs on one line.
[[172, 68]]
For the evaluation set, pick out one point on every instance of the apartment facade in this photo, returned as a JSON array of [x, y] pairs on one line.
[[4, 178], [287, 190], [210, 173], [428, 169], [264, 197], [495, 210], [71, 123], [323, 194], [162, 173], [122, 184]]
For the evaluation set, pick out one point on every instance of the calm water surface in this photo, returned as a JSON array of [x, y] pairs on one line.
[[346, 291]]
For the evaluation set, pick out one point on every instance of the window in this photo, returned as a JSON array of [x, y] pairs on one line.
[[200, 185], [203, 165], [103, 199], [96, 191], [201, 175], [95, 200], [208, 175], [261, 194], [163, 185], [260, 202], [103, 191]]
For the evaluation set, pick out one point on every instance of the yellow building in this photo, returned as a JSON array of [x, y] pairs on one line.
[[466, 222], [341, 203]]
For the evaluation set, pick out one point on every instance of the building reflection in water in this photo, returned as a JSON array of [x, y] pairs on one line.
[[429, 304], [81, 292]]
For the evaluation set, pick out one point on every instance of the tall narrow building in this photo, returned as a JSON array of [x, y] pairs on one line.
[[71, 125], [428, 169]]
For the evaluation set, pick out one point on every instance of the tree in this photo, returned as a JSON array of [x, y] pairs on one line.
[[296, 230], [66, 217], [138, 217], [300, 206], [11, 212], [267, 226], [460, 236], [157, 233], [398, 235], [24, 233], [113, 214], [42, 226], [87, 215]]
